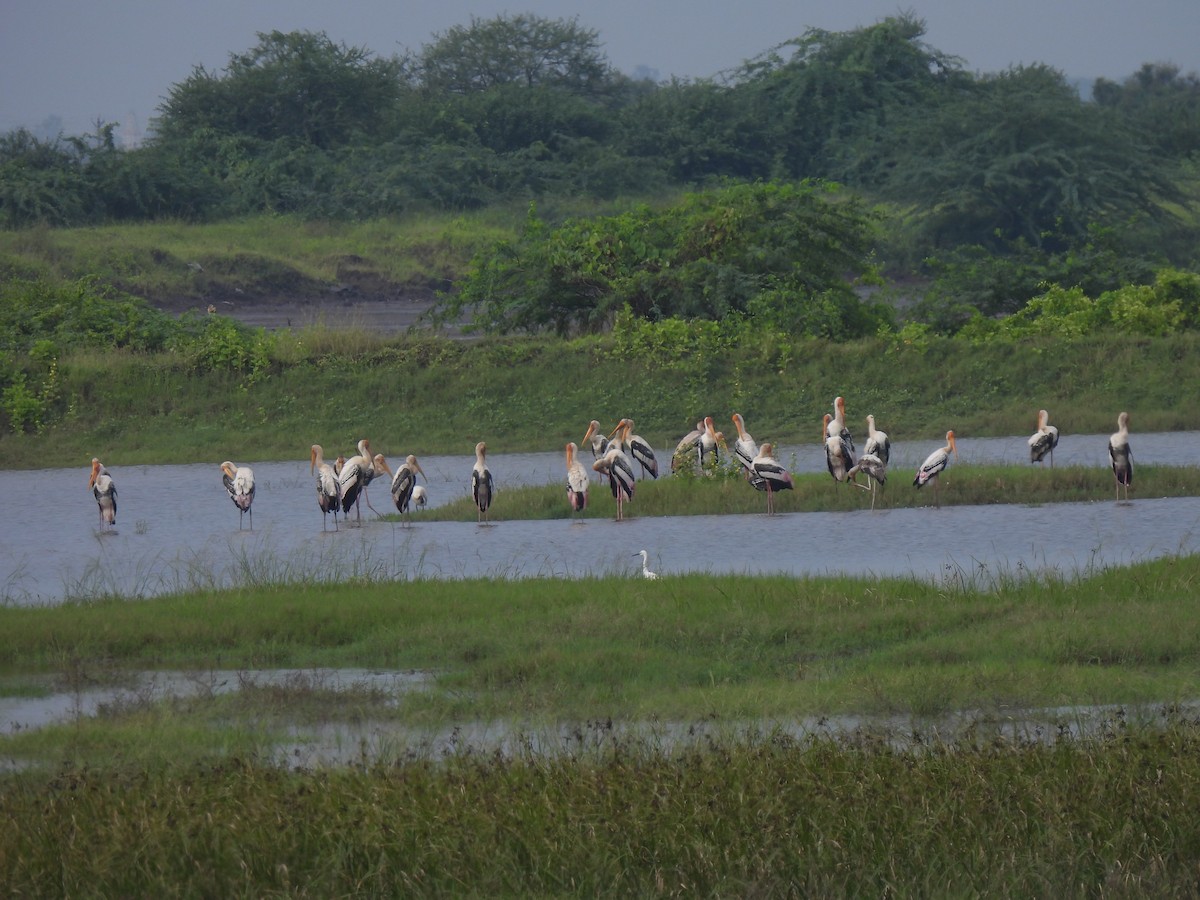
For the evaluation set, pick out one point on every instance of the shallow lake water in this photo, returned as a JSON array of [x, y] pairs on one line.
[[177, 529]]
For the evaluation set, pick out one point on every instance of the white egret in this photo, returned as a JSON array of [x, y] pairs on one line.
[[646, 573]]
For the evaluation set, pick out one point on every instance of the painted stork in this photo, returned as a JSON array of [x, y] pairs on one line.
[[353, 477], [577, 480], [379, 467], [1122, 456], [836, 426], [774, 476], [1044, 440], [839, 451], [873, 466], [239, 482], [104, 489], [688, 448], [934, 464], [329, 496], [404, 482], [616, 465], [482, 486], [710, 443], [646, 573], [595, 439], [636, 447], [745, 449], [878, 443]]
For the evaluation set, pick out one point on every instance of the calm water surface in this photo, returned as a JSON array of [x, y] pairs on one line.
[[177, 529]]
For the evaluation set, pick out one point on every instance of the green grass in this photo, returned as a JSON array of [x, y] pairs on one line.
[[680, 647], [269, 255]]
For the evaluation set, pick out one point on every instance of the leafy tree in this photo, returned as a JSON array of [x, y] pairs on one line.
[[827, 103], [298, 86], [510, 119], [515, 50], [695, 130], [779, 250], [41, 181], [1163, 104], [1020, 157], [972, 280]]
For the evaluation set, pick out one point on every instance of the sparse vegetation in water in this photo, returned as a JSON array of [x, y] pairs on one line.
[[727, 492]]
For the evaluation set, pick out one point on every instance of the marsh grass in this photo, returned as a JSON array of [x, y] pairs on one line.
[[760, 817], [153, 794]]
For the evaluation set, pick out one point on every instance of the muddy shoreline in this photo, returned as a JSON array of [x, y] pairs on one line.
[[387, 313]]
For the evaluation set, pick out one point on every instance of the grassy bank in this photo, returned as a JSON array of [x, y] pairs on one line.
[[263, 256], [169, 797], [430, 395]]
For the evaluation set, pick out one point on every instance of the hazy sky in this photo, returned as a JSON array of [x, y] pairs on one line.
[[85, 60]]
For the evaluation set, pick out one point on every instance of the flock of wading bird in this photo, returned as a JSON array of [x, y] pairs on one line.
[[342, 484]]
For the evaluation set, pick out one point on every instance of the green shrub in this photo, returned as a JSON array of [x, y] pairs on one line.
[[78, 314]]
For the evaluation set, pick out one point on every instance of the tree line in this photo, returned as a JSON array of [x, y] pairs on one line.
[[994, 183], [521, 106]]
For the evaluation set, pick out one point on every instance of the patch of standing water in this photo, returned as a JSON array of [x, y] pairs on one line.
[[377, 741], [177, 530]]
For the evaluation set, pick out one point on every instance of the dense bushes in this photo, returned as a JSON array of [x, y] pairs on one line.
[[784, 254], [1171, 304], [41, 320]]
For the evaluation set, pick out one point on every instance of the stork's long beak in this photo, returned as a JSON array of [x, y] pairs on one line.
[[591, 430], [417, 466], [620, 425], [312, 461]]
